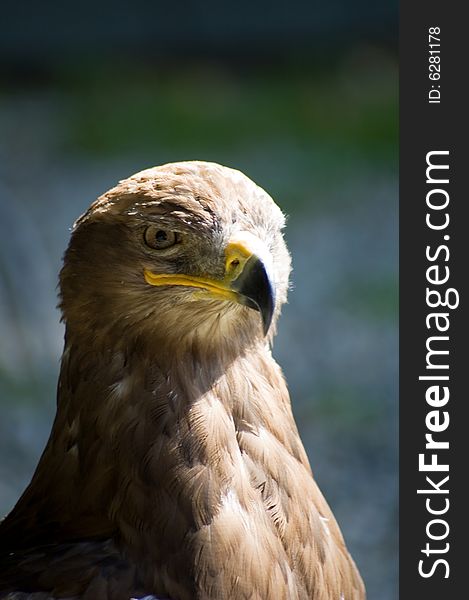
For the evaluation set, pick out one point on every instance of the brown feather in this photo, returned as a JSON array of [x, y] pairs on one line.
[[174, 466]]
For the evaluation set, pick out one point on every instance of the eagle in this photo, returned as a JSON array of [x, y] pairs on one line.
[[174, 469]]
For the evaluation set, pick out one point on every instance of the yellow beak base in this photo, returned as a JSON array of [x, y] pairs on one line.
[[246, 280]]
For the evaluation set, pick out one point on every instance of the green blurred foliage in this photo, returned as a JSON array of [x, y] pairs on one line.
[[347, 110]]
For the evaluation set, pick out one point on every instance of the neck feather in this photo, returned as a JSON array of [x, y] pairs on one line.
[[162, 451]]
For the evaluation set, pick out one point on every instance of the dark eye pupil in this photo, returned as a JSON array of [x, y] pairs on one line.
[[160, 239], [161, 236]]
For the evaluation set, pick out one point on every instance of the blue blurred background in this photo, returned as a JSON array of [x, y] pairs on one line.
[[300, 96]]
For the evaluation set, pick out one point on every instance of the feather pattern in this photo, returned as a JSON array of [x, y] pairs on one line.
[[174, 467]]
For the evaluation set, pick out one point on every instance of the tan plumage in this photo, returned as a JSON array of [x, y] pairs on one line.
[[174, 466]]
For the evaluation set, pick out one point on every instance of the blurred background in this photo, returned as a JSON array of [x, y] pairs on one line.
[[300, 96]]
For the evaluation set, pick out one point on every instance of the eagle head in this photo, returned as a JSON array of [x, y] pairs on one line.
[[184, 251]]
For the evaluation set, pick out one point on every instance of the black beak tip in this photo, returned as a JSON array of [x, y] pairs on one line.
[[256, 289], [267, 311]]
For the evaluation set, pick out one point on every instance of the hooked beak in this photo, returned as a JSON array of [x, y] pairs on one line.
[[247, 280]]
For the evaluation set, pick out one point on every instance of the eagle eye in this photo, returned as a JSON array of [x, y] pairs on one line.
[[159, 239]]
